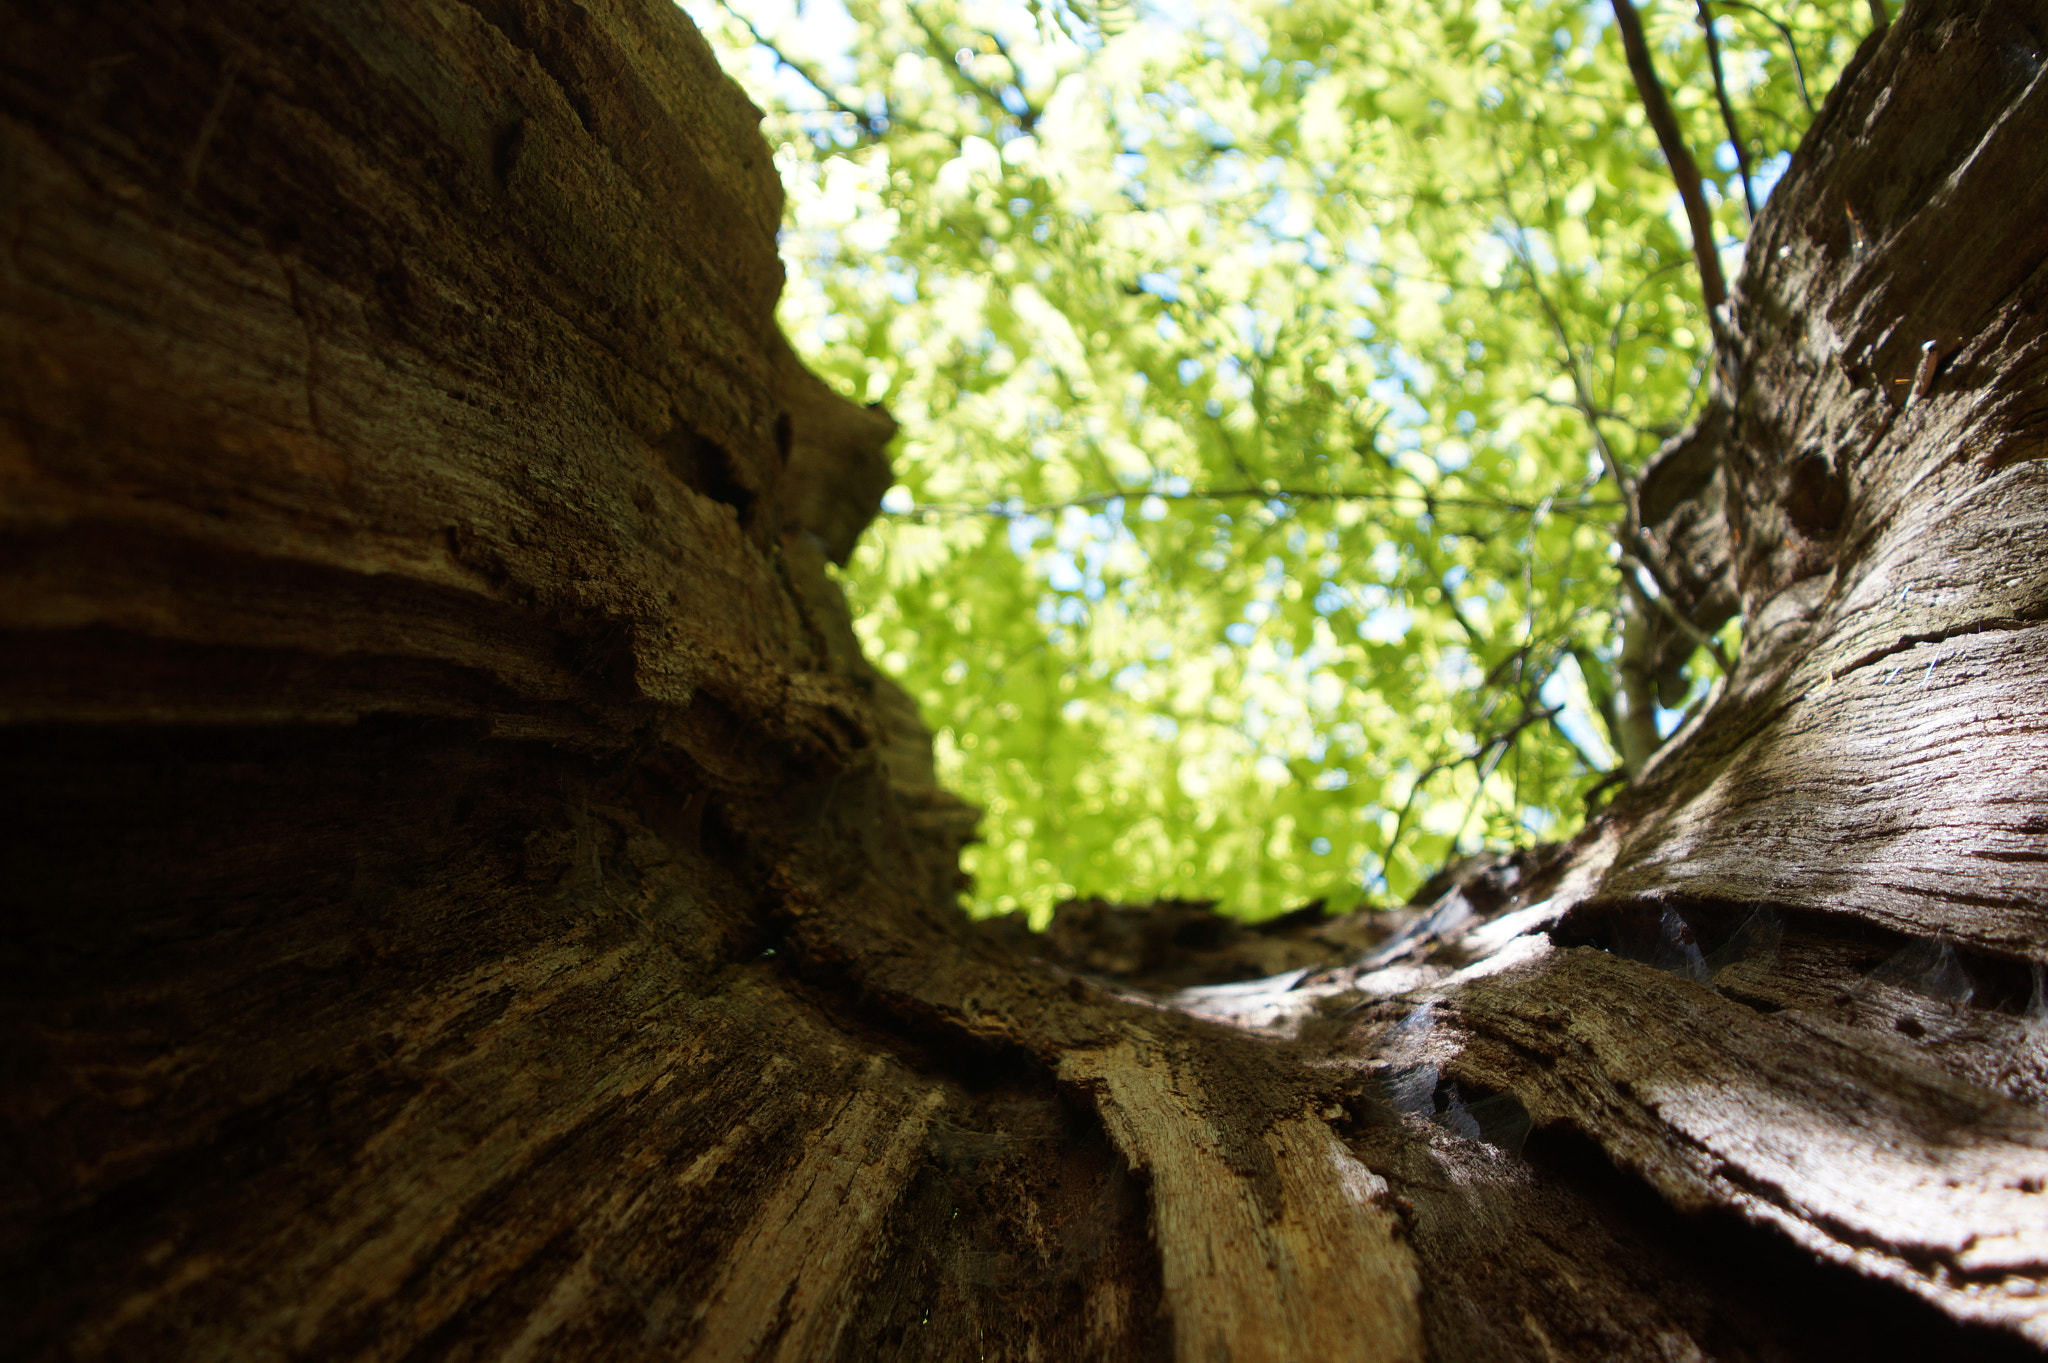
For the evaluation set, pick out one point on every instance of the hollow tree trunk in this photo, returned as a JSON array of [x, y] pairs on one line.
[[468, 896]]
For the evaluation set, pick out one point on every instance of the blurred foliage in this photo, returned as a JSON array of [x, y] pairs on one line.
[[1248, 540]]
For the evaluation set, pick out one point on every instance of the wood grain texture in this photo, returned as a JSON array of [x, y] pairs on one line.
[[1312, 1268], [1879, 752], [468, 896], [1840, 1135]]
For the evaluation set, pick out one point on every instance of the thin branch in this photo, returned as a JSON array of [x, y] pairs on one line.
[[1614, 349], [1500, 739], [1661, 601], [1880, 16], [1621, 313], [1004, 511], [1593, 673], [1791, 45], [1635, 544], [1606, 414], [1685, 172], [1727, 109], [1450, 597], [1486, 770], [1026, 120], [871, 124], [1612, 778], [1586, 759]]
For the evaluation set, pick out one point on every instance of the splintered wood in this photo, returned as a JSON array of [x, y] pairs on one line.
[[781, 1292], [1284, 1250]]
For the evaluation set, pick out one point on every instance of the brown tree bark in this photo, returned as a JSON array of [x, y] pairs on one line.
[[469, 897]]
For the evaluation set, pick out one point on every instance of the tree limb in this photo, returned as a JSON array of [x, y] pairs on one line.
[[1500, 739], [1636, 547], [1662, 602], [933, 511], [1727, 109], [1685, 172], [870, 124], [1791, 45], [1027, 117]]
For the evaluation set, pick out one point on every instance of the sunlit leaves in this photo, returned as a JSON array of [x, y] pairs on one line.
[[1248, 540]]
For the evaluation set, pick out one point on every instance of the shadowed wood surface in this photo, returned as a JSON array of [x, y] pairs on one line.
[[469, 897]]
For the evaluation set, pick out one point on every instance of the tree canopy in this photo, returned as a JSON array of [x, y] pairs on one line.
[[1266, 371]]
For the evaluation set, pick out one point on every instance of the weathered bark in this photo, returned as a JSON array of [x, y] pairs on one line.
[[470, 898]]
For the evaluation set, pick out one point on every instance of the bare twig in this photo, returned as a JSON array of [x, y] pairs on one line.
[[1727, 109], [1685, 172], [1503, 741], [1614, 339], [1880, 16], [1586, 759]]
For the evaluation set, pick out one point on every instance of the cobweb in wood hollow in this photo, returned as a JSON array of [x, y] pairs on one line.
[[1671, 942], [1417, 1088], [1928, 967]]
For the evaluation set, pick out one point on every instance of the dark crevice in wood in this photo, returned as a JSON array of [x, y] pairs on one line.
[[1907, 643], [1832, 1312], [1629, 927]]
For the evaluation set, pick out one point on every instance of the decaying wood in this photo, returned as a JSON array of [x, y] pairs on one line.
[[469, 897]]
